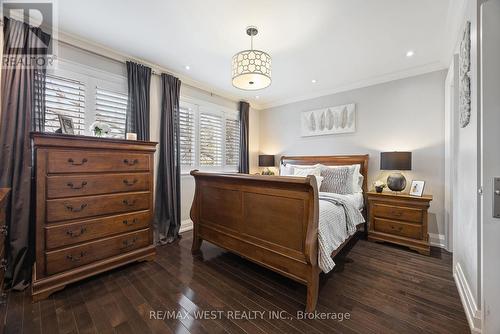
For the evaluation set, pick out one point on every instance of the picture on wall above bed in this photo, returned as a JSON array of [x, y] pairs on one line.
[[328, 121]]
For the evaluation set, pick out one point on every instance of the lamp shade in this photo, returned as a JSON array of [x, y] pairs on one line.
[[395, 160], [266, 160]]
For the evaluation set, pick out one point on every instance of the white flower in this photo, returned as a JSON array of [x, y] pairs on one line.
[[100, 128], [379, 183]]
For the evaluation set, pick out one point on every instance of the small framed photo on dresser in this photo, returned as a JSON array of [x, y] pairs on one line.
[[66, 125], [417, 188]]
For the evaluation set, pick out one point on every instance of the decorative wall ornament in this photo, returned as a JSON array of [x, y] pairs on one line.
[[327, 121], [464, 78]]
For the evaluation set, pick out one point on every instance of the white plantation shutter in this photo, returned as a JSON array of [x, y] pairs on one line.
[[64, 97], [232, 142], [211, 141], [187, 136], [111, 108]]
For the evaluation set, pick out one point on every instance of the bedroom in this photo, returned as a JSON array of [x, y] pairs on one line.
[[272, 167]]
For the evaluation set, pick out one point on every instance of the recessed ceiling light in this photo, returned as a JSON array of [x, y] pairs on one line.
[[313, 80], [187, 67], [257, 97], [410, 53]]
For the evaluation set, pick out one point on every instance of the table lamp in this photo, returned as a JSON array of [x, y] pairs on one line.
[[396, 162], [266, 160]]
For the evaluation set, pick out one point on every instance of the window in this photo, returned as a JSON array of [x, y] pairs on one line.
[[111, 108], [187, 136], [209, 137], [86, 95], [65, 97], [232, 142]]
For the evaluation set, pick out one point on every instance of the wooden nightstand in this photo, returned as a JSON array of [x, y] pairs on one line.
[[400, 219]]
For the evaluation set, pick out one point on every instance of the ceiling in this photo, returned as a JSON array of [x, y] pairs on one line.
[[341, 44]]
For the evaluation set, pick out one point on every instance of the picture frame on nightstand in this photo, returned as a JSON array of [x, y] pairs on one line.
[[417, 188]]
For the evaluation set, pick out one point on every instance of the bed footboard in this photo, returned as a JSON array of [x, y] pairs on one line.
[[272, 221]]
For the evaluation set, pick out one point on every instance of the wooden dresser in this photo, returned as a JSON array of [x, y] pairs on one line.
[[4, 195], [400, 219], [94, 207]]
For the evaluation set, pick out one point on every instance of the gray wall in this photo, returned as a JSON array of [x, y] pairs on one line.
[[401, 115]]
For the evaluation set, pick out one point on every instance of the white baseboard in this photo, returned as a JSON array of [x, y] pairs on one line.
[[186, 225], [437, 240], [471, 311]]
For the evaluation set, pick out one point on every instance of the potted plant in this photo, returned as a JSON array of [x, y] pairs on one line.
[[379, 186], [100, 129]]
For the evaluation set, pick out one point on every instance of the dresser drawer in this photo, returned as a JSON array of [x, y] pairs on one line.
[[398, 228], [80, 161], [83, 185], [90, 206], [76, 256], [397, 212], [73, 233]]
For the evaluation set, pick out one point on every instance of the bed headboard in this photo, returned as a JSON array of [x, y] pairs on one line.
[[333, 160]]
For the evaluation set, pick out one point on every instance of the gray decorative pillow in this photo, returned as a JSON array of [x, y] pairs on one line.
[[337, 180]]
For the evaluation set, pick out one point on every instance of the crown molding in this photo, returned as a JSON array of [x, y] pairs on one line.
[[428, 68]]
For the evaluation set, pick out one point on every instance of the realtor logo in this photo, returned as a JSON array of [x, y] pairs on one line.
[[29, 34]]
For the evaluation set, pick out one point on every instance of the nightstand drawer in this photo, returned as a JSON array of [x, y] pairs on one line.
[[397, 228], [397, 212]]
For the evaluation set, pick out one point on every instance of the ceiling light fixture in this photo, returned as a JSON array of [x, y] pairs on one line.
[[187, 67], [257, 97], [410, 53], [251, 69], [313, 80]]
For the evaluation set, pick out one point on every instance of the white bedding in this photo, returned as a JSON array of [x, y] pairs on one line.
[[338, 217]]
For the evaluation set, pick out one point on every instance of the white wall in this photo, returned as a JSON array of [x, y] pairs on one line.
[[403, 115]]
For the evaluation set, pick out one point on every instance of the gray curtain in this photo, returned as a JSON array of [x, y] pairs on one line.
[[139, 82], [244, 166], [167, 200], [22, 111]]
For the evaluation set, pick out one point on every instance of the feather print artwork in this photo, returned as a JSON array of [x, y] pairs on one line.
[[312, 122], [322, 122], [328, 121], [350, 119], [343, 118]]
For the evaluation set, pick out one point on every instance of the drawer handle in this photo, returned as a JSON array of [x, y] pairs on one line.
[[71, 161], [131, 162], [72, 209], [127, 203], [3, 230], [397, 213], [130, 223], [72, 186], [77, 233], [76, 258], [400, 228], [128, 243], [128, 183]]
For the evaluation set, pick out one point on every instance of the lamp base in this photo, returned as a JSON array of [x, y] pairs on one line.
[[396, 182]]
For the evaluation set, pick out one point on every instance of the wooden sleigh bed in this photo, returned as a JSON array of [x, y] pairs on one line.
[[270, 220]]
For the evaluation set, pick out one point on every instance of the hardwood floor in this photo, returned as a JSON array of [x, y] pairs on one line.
[[382, 288]]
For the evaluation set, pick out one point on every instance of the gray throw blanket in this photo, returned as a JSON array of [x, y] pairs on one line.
[[338, 218]]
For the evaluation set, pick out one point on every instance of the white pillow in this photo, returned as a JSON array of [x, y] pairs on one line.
[[287, 170], [357, 177], [303, 172]]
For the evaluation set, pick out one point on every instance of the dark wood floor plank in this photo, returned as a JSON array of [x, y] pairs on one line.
[[14, 313], [384, 289]]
